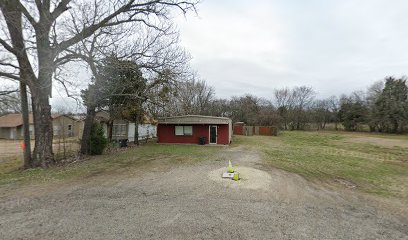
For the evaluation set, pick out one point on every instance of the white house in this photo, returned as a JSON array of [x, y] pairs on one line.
[[145, 131]]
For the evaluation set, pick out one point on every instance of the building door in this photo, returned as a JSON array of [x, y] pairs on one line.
[[213, 135], [13, 133]]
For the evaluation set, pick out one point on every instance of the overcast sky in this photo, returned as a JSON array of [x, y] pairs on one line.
[[335, 46]]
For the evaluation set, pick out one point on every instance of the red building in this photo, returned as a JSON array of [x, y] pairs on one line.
[[190, 128]]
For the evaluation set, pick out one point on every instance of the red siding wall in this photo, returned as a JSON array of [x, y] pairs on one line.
[[166, 134], [238, 129], [223, 134]]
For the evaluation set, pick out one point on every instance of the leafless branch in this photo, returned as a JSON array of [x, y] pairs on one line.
[[25, 12], [10, 76], [2, 93], [8, 47]]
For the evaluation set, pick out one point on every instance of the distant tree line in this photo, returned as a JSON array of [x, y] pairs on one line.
[[382, 108]]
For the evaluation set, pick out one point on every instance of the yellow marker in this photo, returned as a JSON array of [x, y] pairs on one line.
[[236, 176]]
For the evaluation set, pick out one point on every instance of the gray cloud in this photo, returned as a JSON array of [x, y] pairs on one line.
[[335, 46]]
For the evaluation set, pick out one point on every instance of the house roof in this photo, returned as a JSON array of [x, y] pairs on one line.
[[14, 120], [102, 116], [194, 119], [57, 115], [78, 116]]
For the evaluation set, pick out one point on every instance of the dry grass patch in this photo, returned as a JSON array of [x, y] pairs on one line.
[[137, 159], [335, 157]]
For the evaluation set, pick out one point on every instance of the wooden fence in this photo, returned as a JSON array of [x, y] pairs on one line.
[[241, 129]]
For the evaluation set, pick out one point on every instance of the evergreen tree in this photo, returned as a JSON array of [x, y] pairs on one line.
[[353, 112], [392, 106], [98, 141]]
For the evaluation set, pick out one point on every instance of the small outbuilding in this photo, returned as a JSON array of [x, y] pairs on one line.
[[194, 129], [11, 126]]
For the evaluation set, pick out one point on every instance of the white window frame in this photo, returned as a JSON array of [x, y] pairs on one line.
[[216, 134], [119, 130], [182, 130]]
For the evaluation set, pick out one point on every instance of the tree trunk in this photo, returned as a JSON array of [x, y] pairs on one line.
[[86, 134], [110, 130], [26, 126], [136, 141], [395, 127], [40, 87], [43, 155]]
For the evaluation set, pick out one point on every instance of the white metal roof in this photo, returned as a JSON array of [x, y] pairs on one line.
[[194, 119]]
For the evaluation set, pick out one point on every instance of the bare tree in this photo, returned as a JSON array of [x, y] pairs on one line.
[[292, 105], [284, 103], [190, 97], [373, 94], [40, 35], [268, 115], [321, 113], [220, 108], [9, 100], [245, 109], [334, 104], [302, 99]]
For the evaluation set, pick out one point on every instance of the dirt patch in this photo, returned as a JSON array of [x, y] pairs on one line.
[[346, 183], [380, 141], [251, 178], [11, 150]]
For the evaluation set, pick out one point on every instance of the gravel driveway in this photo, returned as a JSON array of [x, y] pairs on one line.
[[193, 202]]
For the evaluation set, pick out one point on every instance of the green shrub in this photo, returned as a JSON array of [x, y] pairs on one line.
[[98, 142]]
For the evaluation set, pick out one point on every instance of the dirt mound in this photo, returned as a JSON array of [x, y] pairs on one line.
[[251, 178]]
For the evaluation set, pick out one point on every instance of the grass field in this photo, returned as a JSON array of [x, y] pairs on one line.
[[176, 191], [379, 167], [119, 161], [372, 163]]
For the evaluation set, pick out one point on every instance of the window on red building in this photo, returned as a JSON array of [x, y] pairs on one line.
[[184, 131]]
